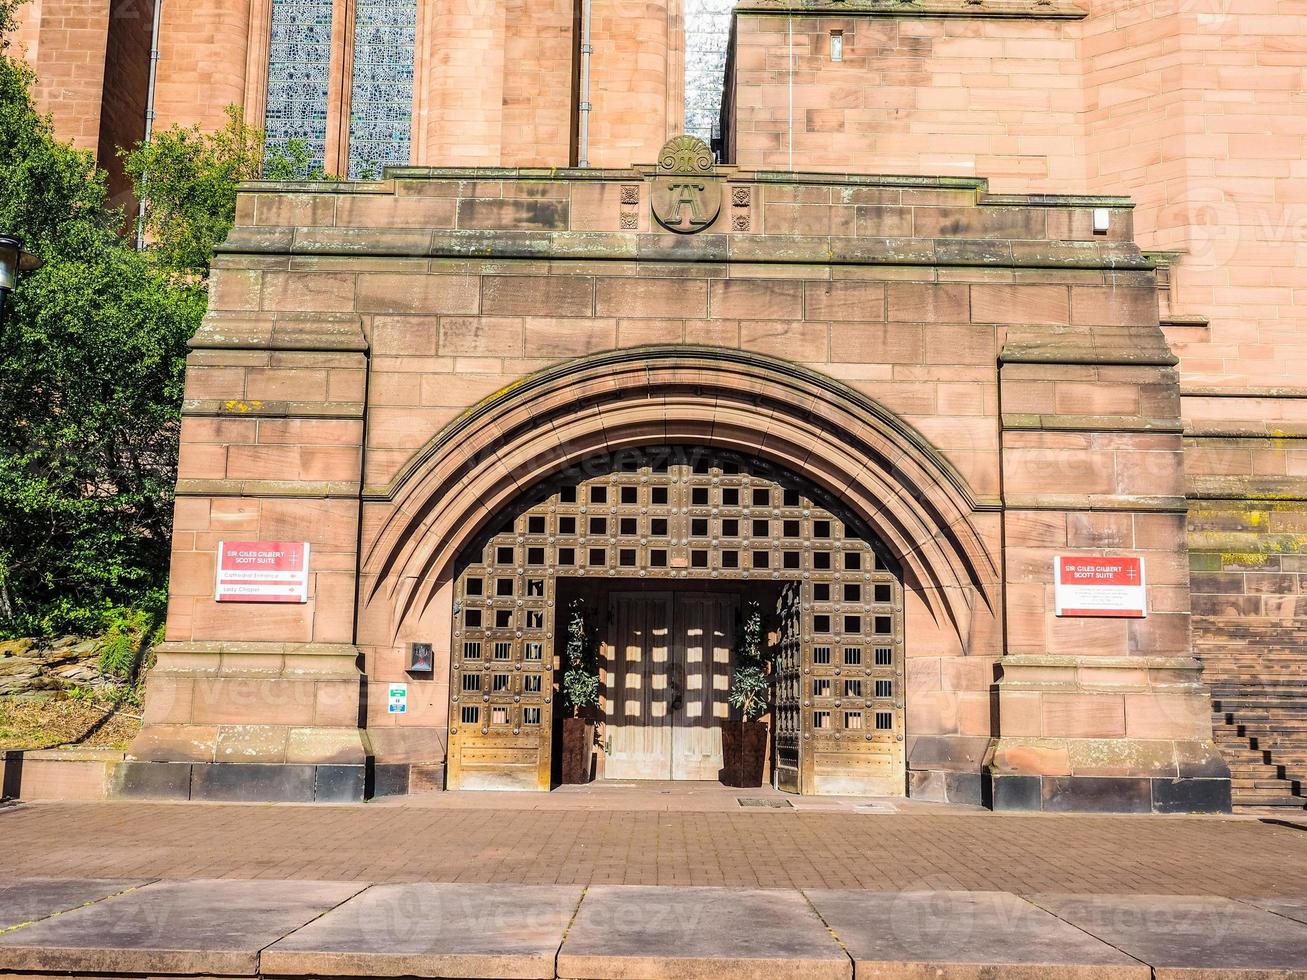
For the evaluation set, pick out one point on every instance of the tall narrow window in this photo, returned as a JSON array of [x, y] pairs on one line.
[[299, 66], [381, 92]]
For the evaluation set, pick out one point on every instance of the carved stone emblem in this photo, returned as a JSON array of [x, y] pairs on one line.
[[687, 193]]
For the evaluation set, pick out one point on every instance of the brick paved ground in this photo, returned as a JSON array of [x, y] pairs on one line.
[[806, 849]]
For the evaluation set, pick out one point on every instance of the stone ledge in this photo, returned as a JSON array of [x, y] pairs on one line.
[[1089, 423], [240, 408], [1245, 430], [1282, 489], [257, 647], [267, 488], [1115, 503], [314, 332], [702, 248], [988, 10]]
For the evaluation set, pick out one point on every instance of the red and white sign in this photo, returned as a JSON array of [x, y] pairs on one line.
[[262, 571], [1099, 586]]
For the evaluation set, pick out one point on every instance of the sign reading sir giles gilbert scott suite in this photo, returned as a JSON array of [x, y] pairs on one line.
[[262, 571], [1111, 585]]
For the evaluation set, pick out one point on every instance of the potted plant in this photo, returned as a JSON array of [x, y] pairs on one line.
[[580, 691], [744, 739]]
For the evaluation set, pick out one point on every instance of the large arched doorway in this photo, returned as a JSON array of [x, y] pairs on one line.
[[676, 539]]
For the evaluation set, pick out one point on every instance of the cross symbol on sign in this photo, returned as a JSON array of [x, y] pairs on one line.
[[1131, 574]]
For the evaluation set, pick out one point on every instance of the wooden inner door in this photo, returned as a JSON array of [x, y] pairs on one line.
[[669, 662]]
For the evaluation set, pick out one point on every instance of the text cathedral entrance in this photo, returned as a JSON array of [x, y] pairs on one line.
[[667, 544]]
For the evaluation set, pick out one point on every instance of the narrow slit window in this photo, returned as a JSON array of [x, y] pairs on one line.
[[836, 45]]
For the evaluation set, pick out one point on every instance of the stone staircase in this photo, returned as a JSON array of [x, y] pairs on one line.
[[1258, 677]]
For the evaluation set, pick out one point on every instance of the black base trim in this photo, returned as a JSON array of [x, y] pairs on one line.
[[240, 782], [1109, 794]]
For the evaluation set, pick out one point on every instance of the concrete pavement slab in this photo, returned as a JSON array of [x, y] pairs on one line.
[[28, 899], [214, 926], [698, 933], [964, 936], [1290, 908], [1191, 937], [432, 930]]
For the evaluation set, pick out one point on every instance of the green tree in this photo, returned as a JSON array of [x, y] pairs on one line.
[[91, 363], [187, 179]]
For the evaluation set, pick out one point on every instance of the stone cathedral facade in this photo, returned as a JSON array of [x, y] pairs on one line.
[[967, 344]]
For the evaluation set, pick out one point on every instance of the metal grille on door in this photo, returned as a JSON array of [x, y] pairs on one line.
[[681, 513]]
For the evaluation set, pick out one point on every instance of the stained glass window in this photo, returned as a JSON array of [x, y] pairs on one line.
[[707, 30], [299, 64], [381, 96]]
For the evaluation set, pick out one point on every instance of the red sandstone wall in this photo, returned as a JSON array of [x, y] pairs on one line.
[[637, 80], [941, 96], [536, 122], [201, 62], [64, 40], [1198, 110], [126, 84]]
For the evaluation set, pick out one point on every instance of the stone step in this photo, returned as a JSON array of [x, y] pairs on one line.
[[1269, 803]]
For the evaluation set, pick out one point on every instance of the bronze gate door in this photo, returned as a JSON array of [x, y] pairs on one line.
[[668, 674]]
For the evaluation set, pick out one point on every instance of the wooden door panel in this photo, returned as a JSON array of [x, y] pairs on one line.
[[705, 632], [638, 740]]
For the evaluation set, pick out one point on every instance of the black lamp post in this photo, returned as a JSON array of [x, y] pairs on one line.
[[13, 261]]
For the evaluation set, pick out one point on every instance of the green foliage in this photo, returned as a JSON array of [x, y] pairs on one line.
[[293, 160], [581, 678], [187, 179], [92, 350], [128, 635], [751, 682]]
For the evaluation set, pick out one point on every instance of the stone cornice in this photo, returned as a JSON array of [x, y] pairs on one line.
[[407, 180], [316, 332], [707, 247]]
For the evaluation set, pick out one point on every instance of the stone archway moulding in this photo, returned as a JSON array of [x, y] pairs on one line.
[[878, 465]]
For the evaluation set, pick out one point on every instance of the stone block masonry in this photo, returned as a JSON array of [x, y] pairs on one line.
[[373, 352]]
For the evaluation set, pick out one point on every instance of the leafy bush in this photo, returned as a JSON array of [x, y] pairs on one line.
[[751, 682], [581, 678]]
